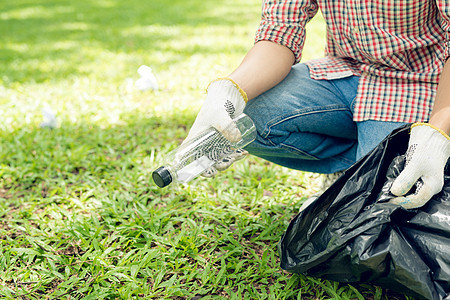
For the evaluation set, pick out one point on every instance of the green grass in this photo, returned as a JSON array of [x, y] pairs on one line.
[[79, 215]]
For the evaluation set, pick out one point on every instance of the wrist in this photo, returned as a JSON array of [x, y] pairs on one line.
[[228, 85], [431, 136], [431, 126], [441, 120]]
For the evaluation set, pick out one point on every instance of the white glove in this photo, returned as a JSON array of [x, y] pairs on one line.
[[427, 155], [225, 100], [225, 162]]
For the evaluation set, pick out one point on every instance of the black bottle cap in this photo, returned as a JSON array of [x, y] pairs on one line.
[[162, 177]]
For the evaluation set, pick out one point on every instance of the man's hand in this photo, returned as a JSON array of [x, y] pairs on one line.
[[226, 162], [225, 101], [427, 155]]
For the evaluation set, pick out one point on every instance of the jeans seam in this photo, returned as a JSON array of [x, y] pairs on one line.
[[338, 157], [292, 148], [280, 120], [352, 104], [343, 159]]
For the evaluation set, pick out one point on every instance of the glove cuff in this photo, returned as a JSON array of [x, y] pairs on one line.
[[432, 136], [226, 83], [432, 126]]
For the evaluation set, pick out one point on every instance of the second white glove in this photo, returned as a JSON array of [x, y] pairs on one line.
[[427, 155]]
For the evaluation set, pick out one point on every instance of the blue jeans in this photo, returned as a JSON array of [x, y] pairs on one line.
[[307, 124]]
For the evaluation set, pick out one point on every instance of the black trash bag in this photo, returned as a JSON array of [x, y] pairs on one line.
[[351, 234]]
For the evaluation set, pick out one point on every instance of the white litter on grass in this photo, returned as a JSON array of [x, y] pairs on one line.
[[148, 79], [49, 116]]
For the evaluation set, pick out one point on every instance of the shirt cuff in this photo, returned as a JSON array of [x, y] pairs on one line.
[[291, 37]]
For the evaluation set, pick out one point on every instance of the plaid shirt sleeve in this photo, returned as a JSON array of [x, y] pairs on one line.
[[284, 21], [444, 8]]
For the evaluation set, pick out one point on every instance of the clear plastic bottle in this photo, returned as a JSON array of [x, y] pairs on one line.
[[202, 152]]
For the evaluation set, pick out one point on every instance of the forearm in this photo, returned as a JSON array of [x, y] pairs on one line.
[[265, 65], [440, 116]]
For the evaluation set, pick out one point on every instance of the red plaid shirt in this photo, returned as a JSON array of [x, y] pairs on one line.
[[398, 47]]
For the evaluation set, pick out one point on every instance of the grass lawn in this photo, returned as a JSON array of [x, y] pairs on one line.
[[80, 217]]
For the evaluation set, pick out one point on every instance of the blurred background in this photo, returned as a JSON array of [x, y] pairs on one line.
[[81, 58]]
